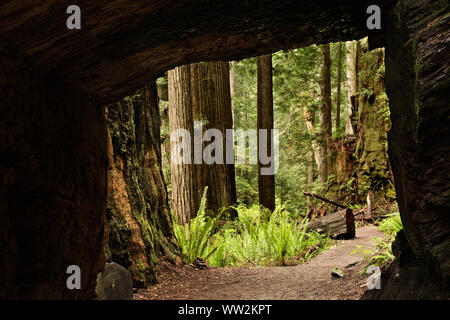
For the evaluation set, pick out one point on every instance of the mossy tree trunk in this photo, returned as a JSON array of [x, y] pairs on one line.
[[360, 163], [138, 213], [373, 168]]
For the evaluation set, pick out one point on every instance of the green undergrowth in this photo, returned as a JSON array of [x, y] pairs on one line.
[[382, 255], [255, 237]]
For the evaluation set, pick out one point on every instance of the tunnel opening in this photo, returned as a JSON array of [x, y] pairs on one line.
[[244, 117], [54, 137]]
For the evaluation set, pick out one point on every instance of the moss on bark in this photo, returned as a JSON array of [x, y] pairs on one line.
[[360, 163], [373, 169], [138, 213]]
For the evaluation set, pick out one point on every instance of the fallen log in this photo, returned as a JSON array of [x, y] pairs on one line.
[[324, 199], [339, 225]]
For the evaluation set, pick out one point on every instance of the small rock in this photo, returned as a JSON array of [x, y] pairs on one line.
[[337, 273], [114, 283]]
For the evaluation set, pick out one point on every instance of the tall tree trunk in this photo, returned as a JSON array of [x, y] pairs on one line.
[[210, 90], [310, 119], [358, 101], [373, 170], [185, 196], [165, 135], [338, 91], [266, 183], [310, 175], [325, 111], [201, 92], [232, 65], [352, 86], [140, 227]]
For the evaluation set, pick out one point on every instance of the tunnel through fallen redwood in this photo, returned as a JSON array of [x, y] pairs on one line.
[[55, 82]]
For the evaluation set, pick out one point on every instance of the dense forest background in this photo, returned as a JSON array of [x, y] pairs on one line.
[[357, 151], [330, 106]]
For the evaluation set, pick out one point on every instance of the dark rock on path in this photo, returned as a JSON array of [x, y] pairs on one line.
[[114, 283]]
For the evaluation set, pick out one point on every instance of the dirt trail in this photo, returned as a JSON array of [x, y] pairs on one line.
[[311, 280]]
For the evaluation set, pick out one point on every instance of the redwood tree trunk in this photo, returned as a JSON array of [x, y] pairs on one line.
[[266, 183], [310, 175], [201, 92], [211, 100], [338, 91], [232, 66], [185, 197], [325, 112], [359, 53], [140, 227]]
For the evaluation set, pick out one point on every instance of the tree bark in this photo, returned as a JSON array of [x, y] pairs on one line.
[[185, 195], [340, 224], [201, 92], [140, 227], [232, 66], [351, 81], [266, 183], [54, 182], [210, 90], [310, 119], [325, 112], [373, 168], [358, 66], [338, 91], [40, 117], [310, 174]]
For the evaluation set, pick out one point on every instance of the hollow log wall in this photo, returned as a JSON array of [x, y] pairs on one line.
[[53, 171], [418, 87], [54, 82]]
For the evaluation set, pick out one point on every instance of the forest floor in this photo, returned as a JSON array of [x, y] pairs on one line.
[[310, 280]]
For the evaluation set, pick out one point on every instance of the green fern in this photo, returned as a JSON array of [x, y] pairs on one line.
[[194, 236], [256, 236], [391, 225], [259, 238], [382, 255]]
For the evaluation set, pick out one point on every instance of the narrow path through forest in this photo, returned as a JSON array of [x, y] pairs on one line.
[[311, 280]]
